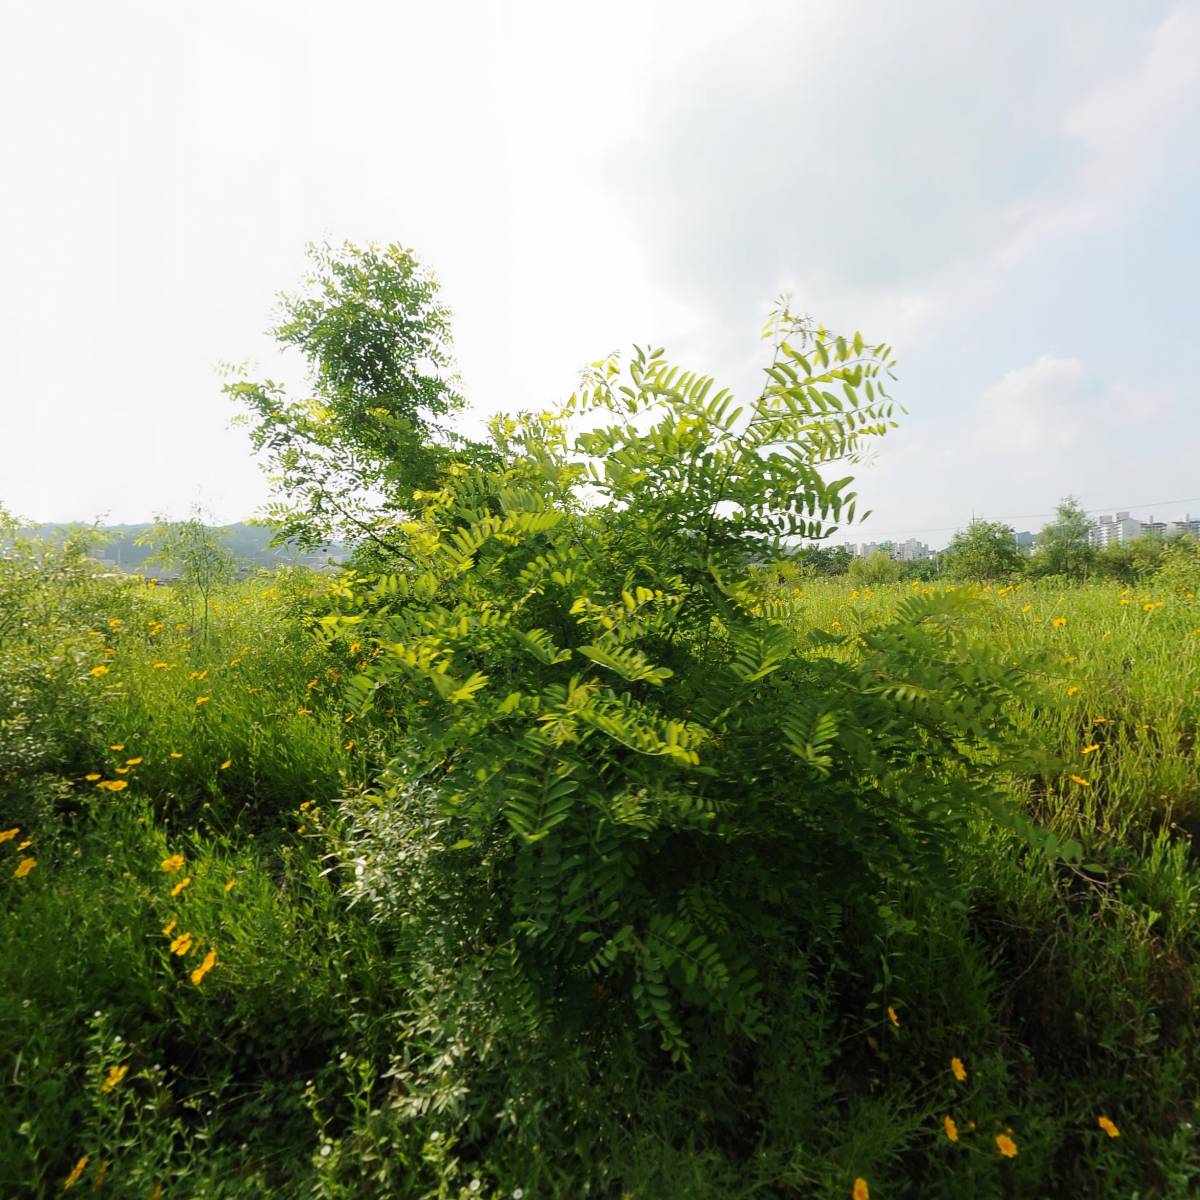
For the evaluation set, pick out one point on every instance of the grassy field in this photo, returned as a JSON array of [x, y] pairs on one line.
[[191, 1007]]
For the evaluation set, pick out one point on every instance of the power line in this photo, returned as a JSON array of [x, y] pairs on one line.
[[1034, 516]]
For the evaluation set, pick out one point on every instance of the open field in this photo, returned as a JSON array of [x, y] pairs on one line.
[[189, 1005]]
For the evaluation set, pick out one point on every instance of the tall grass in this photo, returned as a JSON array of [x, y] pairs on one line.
[[312, 1057]]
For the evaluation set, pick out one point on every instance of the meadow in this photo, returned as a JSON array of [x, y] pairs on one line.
[[199, 998]]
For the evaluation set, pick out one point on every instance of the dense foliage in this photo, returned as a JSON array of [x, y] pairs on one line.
[[578, 841]]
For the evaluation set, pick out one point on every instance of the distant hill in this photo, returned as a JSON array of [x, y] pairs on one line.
[[247, 543]]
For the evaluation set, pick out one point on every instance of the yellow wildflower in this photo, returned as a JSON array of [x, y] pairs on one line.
[[113, 785], [355, 647], [117, 746], [951, 1128], [960, 1072], [121, 770], [1108, 1126], [181, 885], [895, 1020], [1059, 622], [1006, 1145], [8, 834], [98, 671], [348, 746], [133, 762], [198, 675], [229, 885], [233, 662], [24, 867], [303, 712], [227, 763], [92, 777], [169, 926], [1099, 720], [204, 968], [861, 1191], [25, 844], [114, 1076], [159, 666], [1089, 749], [173, 863], [182, 944], [1079, 779], [203, 699], [76, 1173], [1072, 690], [1026, 607], [175, 754]]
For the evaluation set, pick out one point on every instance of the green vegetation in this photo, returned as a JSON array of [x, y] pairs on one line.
[[583, 840]]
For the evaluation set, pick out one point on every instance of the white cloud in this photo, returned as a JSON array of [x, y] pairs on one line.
[[1035, 407]]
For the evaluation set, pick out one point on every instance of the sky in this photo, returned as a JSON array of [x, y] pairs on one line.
[[1007, 194]]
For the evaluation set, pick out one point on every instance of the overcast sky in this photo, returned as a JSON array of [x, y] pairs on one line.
[[1009, 194]]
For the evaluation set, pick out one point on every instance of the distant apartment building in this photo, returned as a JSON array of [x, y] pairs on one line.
[[907, 551], [1112, 530]]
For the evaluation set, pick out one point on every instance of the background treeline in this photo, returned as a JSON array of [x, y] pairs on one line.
[[134, 547]]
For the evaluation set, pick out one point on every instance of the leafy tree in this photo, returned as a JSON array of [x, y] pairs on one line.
[[198, 553], [1062, 545], [877, 568], [621, 769], [346, 458], [820, 562], [1133, 561], [984, 551]]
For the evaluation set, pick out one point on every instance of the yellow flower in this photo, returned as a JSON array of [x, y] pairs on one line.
[[98, 671], [92, 777], [8, 834], [233, 662], [227, 763], [176, 754], [121, 770], [113, 785], [1026, 607], [1006, 1145], [26, 843], [24, 867], [229, 885], [173, 863], [1072, 690], [168, 927], [1124, 601], [1059, 622], [1079, 779], [348, 746], [204, 968], [895, 1020], [76, 1173], [159, 666], [1089, 749], [198, 675], [181, 885], [117, 746], [203, 699], [960, 1072], [133, 762], [355, 647], [303, 712], [1108, 1126], [1099, 720], [861, 1191], [951, 1129], [182, 944], [115, 1075]]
